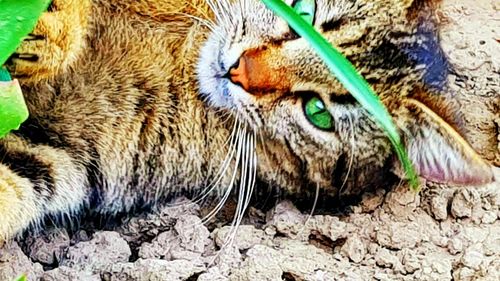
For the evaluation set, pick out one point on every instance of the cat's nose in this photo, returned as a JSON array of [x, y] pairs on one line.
[[259, 72], [238, 73]]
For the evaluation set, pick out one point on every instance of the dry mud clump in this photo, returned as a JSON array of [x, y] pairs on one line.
[[439, 234], [442, 233]]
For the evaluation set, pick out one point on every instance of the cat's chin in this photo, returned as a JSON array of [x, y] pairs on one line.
[[215, 91]]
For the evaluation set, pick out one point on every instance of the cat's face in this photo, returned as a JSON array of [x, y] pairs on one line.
[[315, 132]]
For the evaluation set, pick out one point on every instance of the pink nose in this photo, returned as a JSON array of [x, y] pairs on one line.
[[258, 71], [239, 74]]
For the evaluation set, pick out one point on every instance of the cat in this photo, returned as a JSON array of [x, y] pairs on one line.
[[132, 102]]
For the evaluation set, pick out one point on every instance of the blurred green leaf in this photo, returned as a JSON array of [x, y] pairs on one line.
[[13, 110], [17, 19], [22, 278]]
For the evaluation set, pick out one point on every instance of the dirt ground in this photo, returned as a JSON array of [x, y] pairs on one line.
[[442, 233]]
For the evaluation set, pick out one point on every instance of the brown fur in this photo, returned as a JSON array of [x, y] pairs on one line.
[[117, 119]]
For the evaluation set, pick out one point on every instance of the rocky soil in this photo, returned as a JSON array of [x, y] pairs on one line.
[[442, 233]]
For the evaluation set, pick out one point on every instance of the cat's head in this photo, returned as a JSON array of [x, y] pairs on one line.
[[55, 43], [255, 65]]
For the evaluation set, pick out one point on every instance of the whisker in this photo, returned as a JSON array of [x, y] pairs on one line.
[[253, 167], [214, 9], [351, 158], [247, 184], [220, 17], [241, 4], [310, 215], [225, 165], [219, 206], [220, 174], [205, 22], [202, 12], [246, 164], [224, 12]]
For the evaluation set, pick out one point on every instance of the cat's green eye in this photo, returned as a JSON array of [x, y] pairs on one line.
[[317, 114], [306, 9]]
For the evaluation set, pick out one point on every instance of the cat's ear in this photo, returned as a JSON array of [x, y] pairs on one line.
[[438, 152]]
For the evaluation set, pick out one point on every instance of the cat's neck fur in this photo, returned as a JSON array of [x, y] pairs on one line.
[[135, 110]]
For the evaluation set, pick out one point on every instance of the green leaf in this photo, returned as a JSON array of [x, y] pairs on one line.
[[346, 73], [17, 19], [22, 277], [13, 110], [4, 75]]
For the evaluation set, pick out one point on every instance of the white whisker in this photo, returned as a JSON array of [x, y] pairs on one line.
[[216, 11], [219, 206], [247, 183], [225, 164], [309, 216], [212, 186], [351, 158]]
